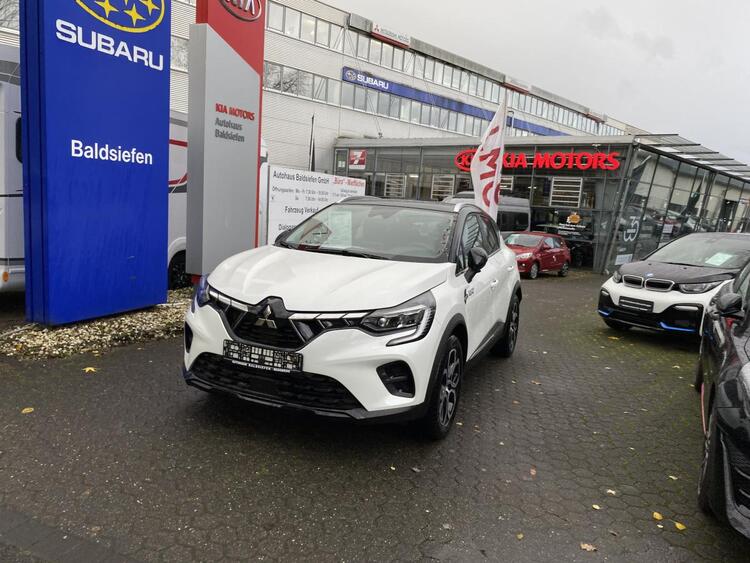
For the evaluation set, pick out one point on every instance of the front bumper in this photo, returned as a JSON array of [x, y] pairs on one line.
[[671, 311], [339, 378], [524, 265]]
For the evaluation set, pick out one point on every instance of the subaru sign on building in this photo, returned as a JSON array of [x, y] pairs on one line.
[[95, 89]]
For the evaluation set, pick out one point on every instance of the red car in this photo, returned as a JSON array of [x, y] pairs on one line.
[[539, 252]]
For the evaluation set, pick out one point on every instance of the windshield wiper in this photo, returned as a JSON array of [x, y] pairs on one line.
[[348, 252], [285, 244]]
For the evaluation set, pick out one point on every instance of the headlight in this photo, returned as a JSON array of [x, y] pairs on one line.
[[413, 318], [698, 287], [524, 256], [617, 276], [201, 293]]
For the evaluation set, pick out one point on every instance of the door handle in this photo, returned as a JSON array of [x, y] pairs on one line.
[[493, 284], [509, 268]]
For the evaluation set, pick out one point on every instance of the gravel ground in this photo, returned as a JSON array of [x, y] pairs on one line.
[[37, 342]]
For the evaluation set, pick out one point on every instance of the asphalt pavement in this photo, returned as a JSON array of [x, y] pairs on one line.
[[577, 439]]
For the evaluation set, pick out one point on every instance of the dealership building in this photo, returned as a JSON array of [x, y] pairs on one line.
[[404, 114]]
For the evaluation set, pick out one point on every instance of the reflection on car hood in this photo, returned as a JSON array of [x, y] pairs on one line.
[[676, 273], [314, 282]]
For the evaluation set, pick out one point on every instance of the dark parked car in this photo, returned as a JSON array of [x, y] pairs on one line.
[[723, 379]]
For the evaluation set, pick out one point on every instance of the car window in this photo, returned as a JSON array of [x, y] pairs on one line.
[[521, 239], [492, 243], [708, 250], [471, 236], [549, 241]]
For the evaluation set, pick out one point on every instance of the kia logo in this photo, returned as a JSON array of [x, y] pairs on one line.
[[464, 158], [245, 10]]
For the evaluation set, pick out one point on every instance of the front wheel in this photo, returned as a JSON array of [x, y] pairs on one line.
[[534, 271], [444, 401], [507, 344], [564, 270]]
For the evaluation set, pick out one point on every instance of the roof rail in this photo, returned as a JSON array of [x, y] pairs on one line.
[[359, 198]]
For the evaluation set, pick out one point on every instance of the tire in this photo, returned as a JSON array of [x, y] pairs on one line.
[[564, 270], [178, 277], [533, 271], [711, 498], [446, 393], [616, 325], [505, 347]]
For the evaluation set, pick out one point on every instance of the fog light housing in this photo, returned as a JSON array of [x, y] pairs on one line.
[[397, 378]]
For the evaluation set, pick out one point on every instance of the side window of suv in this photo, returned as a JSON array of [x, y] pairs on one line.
[[471, 236], [491, 244]]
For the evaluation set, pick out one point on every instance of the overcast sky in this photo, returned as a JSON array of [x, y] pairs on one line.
[[667, 66]]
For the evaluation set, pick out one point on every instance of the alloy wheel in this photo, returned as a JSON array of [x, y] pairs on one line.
[[450, 380], [513, 326]]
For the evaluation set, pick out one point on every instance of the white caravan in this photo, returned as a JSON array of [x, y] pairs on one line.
[[11, 182]]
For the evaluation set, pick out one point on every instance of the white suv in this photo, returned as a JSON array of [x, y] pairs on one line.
[[369, 309]]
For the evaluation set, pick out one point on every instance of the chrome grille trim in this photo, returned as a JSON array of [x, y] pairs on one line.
[[659, 285], [633, 281]]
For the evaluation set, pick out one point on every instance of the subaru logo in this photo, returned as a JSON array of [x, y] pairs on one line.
[[350, 75], [265, 319]]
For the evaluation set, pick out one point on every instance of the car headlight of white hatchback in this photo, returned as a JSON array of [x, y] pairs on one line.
[[414, 318], [699, 287]]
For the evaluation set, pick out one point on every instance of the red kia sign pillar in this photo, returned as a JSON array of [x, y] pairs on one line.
[[224, 116]]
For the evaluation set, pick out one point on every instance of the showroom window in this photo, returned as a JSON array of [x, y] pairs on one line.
[[292, 23], [323, 33], [308, 29], [275, 16]]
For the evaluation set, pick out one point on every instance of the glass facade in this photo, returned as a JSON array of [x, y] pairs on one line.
[[609, 215]]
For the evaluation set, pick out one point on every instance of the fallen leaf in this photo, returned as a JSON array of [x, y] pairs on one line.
[[657, 516], [516, 403], [612, 532], [27, 410], [673, 478], [90, 370], [676, 367], [660, 526], [519, 536], [611, 492], [416, 470], [393, 468], [614, 338], [588, 547], [532, 471], [680, 526], [447, 527], [535, 382], [596, 507], [459, 424]]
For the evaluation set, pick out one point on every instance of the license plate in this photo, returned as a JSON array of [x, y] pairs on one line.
[[262, 358]]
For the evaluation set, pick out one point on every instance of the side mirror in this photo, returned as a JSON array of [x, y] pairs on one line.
[[730, 305], [282, 235], [477, 260]]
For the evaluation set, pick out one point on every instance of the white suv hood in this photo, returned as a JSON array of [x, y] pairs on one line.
[[312, 282]]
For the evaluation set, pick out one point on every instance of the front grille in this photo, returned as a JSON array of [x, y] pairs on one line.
[[659, 285], [283, 336], [636, 305], [250, 323], [633, 281], [303, 389]]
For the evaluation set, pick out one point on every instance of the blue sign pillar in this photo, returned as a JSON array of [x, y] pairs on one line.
[[95, 110]]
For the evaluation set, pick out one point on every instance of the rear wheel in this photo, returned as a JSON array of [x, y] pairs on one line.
[[564, 270], [507, 344], [534, 271], [711, 498], [444, 401], [178, 277], [616, 325]]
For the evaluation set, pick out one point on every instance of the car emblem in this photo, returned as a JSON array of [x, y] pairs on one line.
[[266, 319], [140, 17], [245, 10], [649, 275]]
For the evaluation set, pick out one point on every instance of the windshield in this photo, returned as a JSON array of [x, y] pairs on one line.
[[376, 231], [711, 251], [523, 240]]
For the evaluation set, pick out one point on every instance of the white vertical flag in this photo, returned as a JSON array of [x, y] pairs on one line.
[[487, 163]]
